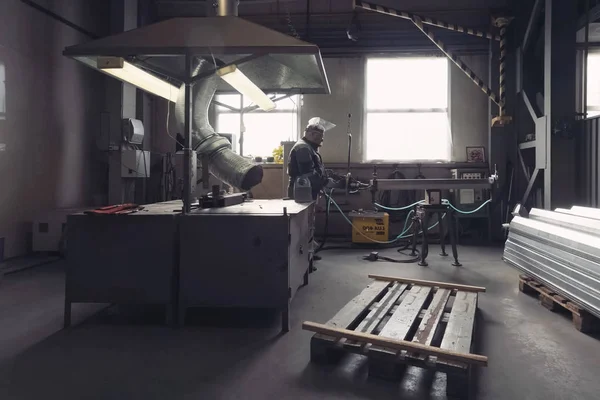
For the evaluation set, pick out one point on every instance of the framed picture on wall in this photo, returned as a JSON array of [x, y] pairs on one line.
[[476, 154]]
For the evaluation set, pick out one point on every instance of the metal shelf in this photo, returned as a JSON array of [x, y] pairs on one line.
[[527, 145]]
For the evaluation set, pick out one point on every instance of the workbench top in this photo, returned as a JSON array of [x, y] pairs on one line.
[[256, 207], [167, 208], [249, 207]]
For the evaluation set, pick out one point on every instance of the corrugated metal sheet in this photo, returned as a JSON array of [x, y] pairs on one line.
[[562, 251]]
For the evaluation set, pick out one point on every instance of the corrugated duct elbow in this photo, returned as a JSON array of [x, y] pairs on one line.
[[224, 164]]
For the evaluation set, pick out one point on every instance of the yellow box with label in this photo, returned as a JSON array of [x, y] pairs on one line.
[[372, 224]]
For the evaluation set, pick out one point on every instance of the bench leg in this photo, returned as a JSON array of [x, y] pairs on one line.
[[67, 315], [285, 319]]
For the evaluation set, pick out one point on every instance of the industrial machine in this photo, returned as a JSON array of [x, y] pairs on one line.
[[472, 197], [367, 224]]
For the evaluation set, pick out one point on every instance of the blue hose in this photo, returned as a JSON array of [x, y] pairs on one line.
[[398, 209], [401, 236], [447, 202]]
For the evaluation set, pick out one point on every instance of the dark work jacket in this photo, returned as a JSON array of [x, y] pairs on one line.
[[306, 160]]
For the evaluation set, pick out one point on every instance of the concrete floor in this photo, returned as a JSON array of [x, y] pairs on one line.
[[533, 353]]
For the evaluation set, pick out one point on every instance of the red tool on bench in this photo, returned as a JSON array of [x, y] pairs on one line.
[[118, 209]]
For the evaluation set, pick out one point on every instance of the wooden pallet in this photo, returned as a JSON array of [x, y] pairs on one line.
[[398, 322], [582, 320]]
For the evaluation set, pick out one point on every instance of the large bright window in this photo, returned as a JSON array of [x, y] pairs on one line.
[[593, 85], [406, 108], [263, 131]]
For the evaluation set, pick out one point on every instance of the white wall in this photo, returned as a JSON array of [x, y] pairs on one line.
[[469, 119], [468, 108], [52, 114]]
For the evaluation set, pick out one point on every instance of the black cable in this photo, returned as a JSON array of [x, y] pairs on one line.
[[374, 256], [334, 248]]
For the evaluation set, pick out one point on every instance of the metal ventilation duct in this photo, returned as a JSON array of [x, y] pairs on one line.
[[160, 58], [275, 62], [224, 164]]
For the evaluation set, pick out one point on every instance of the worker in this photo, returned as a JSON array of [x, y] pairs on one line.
[[305, 160], [306, 165]]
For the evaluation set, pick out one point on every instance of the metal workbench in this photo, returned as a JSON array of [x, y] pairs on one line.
[[122, 259], [255, 254]]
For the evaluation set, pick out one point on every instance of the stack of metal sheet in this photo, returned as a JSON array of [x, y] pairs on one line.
[[560, 249]]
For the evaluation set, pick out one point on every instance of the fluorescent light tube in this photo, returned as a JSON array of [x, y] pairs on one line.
[[240, 82], [127, 72]]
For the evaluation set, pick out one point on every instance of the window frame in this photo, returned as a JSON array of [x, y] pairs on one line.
[[366, 111], [220, 108], [591, 111], [3, 85]]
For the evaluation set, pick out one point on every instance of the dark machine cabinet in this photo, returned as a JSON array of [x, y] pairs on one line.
[[122, 259], [255, 254]]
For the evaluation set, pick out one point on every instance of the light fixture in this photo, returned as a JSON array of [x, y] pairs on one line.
[[118, 68], [240, 82]]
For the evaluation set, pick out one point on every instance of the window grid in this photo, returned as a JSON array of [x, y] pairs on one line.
[[406, 109]]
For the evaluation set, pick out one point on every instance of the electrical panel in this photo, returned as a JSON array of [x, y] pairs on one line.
[[470, 196], [135, 164]]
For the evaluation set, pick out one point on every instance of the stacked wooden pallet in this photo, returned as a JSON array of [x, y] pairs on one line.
[[397, 322], [583, 321]]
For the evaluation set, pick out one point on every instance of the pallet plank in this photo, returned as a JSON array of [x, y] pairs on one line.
[[404, 317], [459, 332], [432, 317], [443, 285], [395, 344], [349, 313], [382, 308]]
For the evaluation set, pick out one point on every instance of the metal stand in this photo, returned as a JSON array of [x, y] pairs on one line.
[[443, 212]]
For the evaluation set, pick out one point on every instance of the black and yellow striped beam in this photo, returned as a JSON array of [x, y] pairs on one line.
[[456, 60], [426, 20]]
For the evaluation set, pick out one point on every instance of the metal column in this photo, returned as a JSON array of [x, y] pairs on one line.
[[548, 104], [188, 153], [226, 7]]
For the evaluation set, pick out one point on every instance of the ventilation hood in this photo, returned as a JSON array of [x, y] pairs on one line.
[[275, 62]]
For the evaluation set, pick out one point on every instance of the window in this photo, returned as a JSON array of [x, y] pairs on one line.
[[407, 109], [2, 93], [593, 85], [264, 131]]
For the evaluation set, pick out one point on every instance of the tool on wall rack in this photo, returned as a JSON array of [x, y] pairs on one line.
[[420, 21]]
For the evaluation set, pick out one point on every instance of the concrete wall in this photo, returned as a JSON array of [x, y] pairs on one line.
[[52, 115]]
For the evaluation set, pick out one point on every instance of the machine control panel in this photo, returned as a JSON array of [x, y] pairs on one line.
[[471, 175]]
